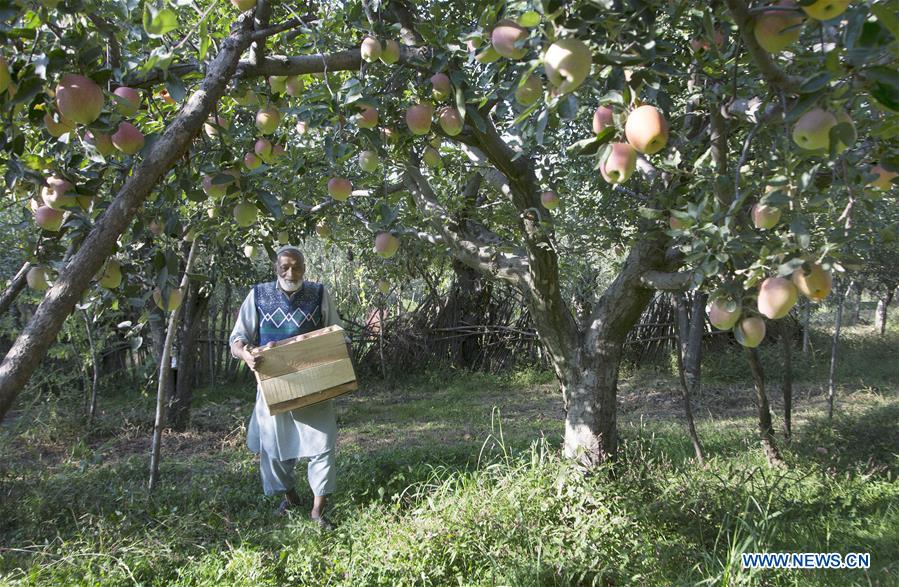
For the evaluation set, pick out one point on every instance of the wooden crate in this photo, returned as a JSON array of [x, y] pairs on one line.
[[303, 370]]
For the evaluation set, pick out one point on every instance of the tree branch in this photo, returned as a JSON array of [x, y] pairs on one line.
[[773, 75], [667, 280], [470, 249]]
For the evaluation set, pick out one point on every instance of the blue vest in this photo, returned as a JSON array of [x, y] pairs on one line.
[[281, 317]]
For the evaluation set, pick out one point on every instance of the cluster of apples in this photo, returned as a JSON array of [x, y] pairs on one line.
[[646, 131], [776, 297], [79, 100], [56, 196]]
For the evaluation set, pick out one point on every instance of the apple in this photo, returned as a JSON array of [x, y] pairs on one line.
[[488, 55], [278, 151], [386, 245], [219, 189], [676, 223], [843, 117], [268, 119], [340, 188], [567, 63], [174, 301], [58, 193], [5, 78], [101, 142], [450, 120], [765, 217], [244, 5], [620, 164], [294, 86], [884, 179], [251, 161], [283, 237], [602, 119], [721, 315], [245, 214], [322, 229], [288, 209], [826, 9], [263, 148], [248, 98], [368, 160], [646, 129], [37, 278], [815, 285], [777, 296], [78, 98], [211, 126], [57, 129], [431, 156], [370, 49], [367, 117], [441, 87], [506, 35], [750, 332], [302, 127], [48, 218], [550, 200], [112, 274], [775, 30], [128, 101], [812, 130], [127, 138], [418, 118], [390, 53], [529, 91], [277, 83]]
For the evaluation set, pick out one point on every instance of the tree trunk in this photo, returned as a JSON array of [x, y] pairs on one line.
[[92, 410], [689, 352], [766, 428], [834, 349], [179, 407], [857, 305], [787, 341], [221, 365], [880, 317], [15, 287], [32, 344], [806, 315], [165, 372], [587, 365]]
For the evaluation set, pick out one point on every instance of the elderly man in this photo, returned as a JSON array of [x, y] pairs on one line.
[[273, 311]]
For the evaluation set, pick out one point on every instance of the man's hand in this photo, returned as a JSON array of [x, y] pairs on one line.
[[252, 361]]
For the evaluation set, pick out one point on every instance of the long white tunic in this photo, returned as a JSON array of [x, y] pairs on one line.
[[304, 432]]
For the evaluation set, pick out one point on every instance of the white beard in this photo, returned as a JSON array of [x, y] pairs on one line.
[[289, 286]]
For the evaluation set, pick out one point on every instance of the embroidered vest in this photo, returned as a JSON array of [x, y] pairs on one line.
[[281, 317]]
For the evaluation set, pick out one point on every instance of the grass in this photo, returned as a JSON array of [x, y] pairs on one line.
[[447, 478]]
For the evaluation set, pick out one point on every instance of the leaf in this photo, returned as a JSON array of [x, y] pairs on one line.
[[271, 203], [27, 90], [799, 228], [590, 146], [886, 14], [460, 101], [159, 22], [817, 82], [205, 41], [478, 121], [542, 121], [176, 88]]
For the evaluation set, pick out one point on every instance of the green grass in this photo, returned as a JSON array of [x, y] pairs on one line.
[[447, 478]]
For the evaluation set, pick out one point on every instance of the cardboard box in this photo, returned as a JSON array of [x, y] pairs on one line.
[[303, 370]]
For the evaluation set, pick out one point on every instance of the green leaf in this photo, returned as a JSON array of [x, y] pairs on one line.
[[159, 22], [460, 101], [590, 146], [205, 41], [886, 14], [271, 203], [478, 121], [817, 82]]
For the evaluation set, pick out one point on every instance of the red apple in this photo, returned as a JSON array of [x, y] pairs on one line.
[[441, 87], [367, 117], [128, 101], [386, 245], [127, 138], [567, 64], [777, 296], [506, 35], [646, 129], [550, 200], [450, 120], [340, 188], [418, 118], [78, 98], [602, 119], [620, 164]]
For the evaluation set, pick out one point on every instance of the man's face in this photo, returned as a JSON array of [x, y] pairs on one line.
[[290, 271]]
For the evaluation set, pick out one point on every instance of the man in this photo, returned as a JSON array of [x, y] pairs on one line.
[[271, 312]]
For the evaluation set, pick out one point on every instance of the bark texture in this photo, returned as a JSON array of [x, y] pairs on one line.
[[766, 427]]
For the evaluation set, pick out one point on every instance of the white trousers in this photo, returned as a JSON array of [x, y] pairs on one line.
[[279, 476]]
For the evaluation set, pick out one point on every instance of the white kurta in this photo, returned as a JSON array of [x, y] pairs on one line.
[[304, 432]]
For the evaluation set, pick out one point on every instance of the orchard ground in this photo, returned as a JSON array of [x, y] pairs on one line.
[[452, 478]]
